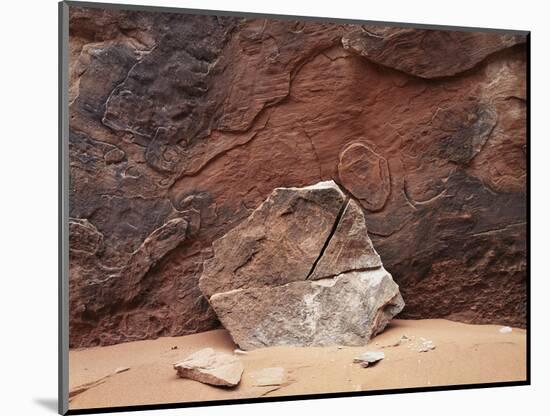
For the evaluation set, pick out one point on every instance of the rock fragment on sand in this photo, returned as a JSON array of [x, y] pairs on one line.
[[403, 340], [210, 367], [301, 271], [239, 352], [272, 376], [369, 358], [426, 345], [505, 330]]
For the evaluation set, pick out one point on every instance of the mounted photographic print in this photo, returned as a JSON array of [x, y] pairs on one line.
[[262, 208]]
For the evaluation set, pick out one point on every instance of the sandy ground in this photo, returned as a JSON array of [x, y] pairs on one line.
[[463, 354]]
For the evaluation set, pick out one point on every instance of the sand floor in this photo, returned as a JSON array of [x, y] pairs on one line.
[[463, 354]]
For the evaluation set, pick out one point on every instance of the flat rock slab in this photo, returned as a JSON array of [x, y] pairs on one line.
[[210, 367], [301, 271], [369, 358]]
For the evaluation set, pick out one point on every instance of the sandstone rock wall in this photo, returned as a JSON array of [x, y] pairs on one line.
[[181, 125]]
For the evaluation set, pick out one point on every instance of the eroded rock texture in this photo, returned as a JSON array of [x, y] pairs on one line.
[[309, 276], [199, 118]]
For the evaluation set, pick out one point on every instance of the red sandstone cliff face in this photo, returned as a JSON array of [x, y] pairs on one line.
[[181, 125]]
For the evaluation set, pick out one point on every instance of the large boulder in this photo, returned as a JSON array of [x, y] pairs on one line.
[[301, 271]]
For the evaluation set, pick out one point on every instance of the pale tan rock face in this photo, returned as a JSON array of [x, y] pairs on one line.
[[348, 310], [210, 367], [201, 117], [342, 297], [349, 248], [278, 243]]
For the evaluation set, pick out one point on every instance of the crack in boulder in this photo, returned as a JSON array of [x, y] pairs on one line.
[[329, 238]]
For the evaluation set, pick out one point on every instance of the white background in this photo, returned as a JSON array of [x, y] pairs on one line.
[[28, 209]]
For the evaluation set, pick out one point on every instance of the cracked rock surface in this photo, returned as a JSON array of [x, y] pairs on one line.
[[345, 299], [278, 243], [197, 118]]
